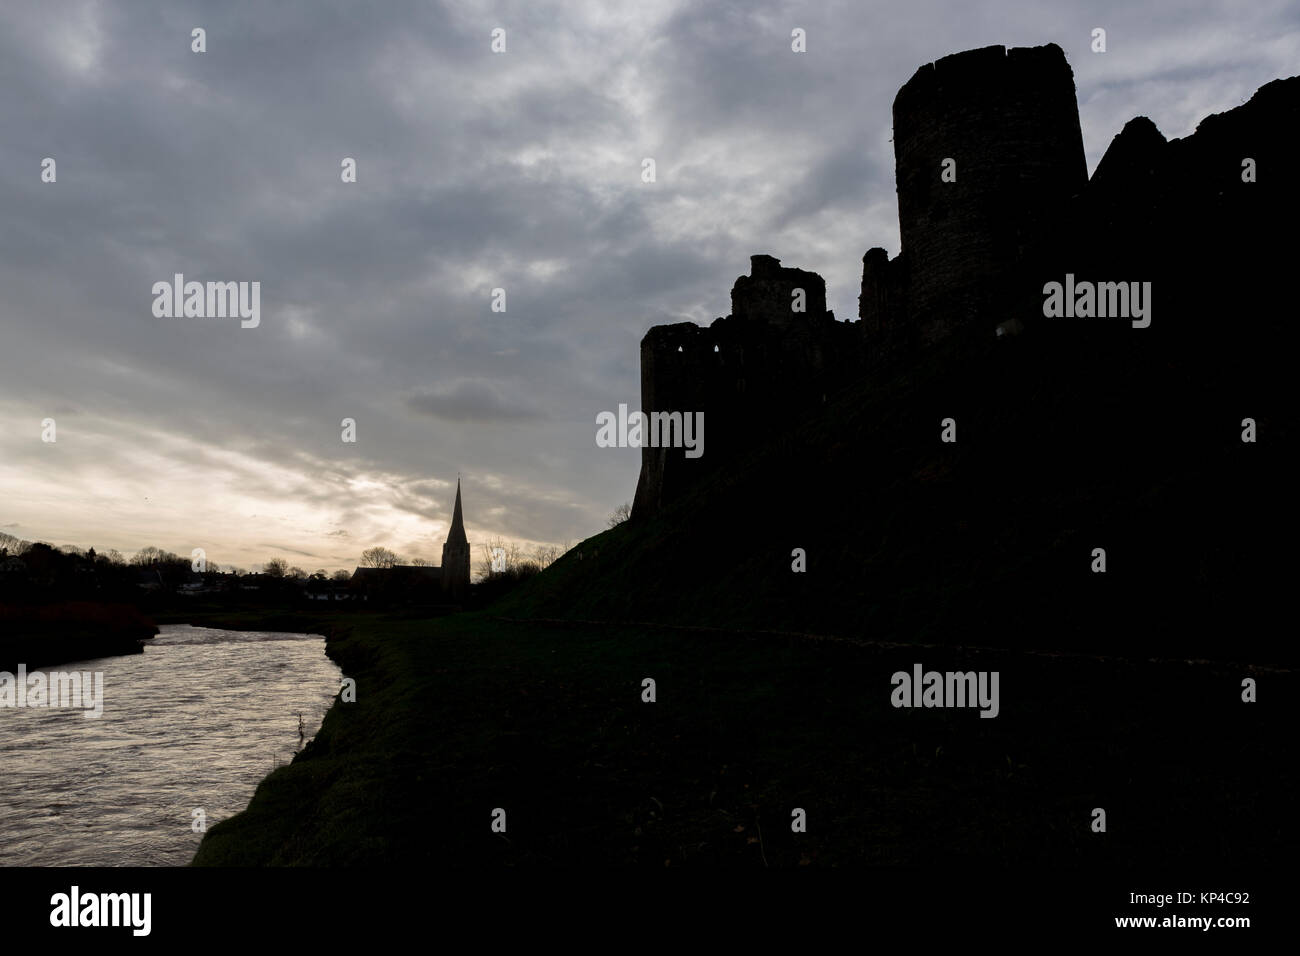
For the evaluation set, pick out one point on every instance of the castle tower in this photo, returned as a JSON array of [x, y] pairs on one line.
[[1009, 120], [455, 554], [765, 295], [750, 374]]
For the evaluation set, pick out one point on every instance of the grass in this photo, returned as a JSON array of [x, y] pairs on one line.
[[459, 715], [1066, 442]]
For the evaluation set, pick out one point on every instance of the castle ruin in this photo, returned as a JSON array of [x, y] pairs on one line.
[[993, 200]]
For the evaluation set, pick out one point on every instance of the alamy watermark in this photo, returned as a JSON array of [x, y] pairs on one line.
[[75, 908], [213, 300], [947, 689], [78, 690], [1098, 300], [656, 430]]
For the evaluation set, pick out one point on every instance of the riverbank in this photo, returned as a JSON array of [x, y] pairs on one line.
[[461, 715], [196, 722], [52, 634]]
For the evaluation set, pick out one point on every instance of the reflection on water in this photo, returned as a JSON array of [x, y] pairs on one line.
[[196, 721]]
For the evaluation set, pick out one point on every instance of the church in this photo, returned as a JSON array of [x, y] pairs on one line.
[[451, 580], [453, 576]]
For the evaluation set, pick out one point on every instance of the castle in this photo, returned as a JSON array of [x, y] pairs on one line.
[[1009, 123], [994, 200]]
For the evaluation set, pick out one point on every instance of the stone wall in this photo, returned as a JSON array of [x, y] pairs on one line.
[[752, 372]]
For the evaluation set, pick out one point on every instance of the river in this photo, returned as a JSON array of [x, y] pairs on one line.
[[195, 722]]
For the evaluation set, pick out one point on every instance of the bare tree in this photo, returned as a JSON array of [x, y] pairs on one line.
[[297, 573], [276, 568], [620, 514], [341, 575], [152, 555], [546, 555], [378, 557], [11, 544], [483, 567], [421, 563], [499, 555]]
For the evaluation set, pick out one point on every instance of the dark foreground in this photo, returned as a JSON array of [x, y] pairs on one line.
[[458, 716], [60, 632]]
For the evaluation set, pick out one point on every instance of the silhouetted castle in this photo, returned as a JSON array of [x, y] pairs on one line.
[[993, 201]]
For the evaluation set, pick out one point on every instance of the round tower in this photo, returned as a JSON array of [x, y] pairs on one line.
[[972, 229]]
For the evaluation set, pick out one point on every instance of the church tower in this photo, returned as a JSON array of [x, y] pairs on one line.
[[455, 555]]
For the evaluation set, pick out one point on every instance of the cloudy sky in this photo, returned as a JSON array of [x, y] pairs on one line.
[[476, 170]]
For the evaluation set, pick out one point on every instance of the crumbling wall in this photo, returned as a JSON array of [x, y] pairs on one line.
[[767, 293], [751, 373], [882, 306]]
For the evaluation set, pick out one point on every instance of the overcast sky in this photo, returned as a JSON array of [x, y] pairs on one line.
[[476, 170]]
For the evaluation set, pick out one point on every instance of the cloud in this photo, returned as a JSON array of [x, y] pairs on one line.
[[475, 171], [470, 401]]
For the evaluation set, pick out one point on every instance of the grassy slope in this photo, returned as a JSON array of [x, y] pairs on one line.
[[460, 715], [1063, 444]]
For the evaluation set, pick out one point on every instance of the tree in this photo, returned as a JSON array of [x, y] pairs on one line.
[[378, 557], [341, 575], [297, 573], [512, 554], [276, 568], [620, 514], [421, 563]]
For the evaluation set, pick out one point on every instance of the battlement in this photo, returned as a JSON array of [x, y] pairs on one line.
[[972, 74]]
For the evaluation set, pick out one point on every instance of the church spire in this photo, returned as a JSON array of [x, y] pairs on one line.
[[455, 554], [456, 533]]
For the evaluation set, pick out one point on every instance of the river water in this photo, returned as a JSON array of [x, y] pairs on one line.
[[195, 722]]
